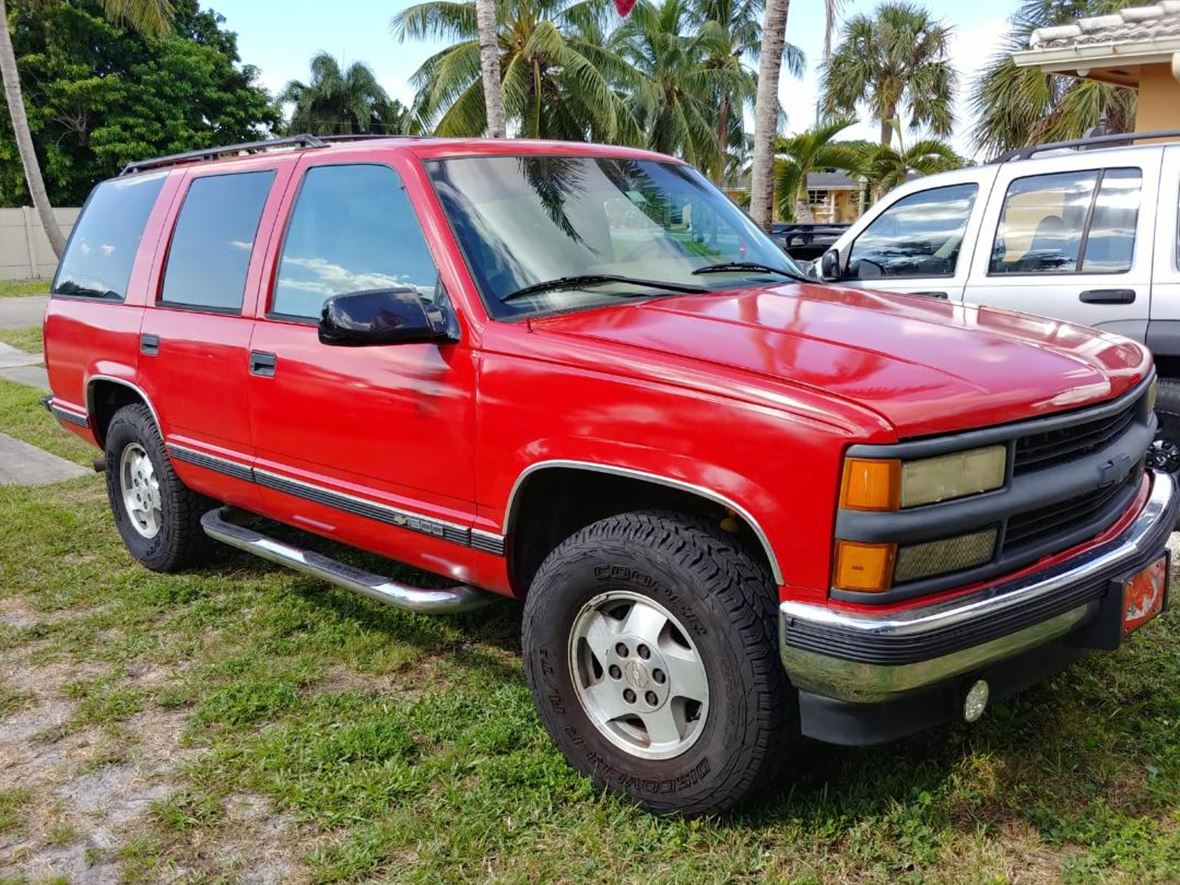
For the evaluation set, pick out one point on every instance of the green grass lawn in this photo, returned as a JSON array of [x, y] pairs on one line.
[[17, 288], [26, 338], [273, 725]]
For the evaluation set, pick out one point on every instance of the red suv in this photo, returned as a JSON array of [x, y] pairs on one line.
[[738, 506]]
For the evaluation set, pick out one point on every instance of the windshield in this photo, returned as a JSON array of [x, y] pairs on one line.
[[525, 221]]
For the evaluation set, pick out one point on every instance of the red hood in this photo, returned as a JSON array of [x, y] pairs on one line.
[[927, 366]]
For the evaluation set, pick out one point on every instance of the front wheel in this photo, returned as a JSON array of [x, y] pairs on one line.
[[650, 646], [1165, 450]]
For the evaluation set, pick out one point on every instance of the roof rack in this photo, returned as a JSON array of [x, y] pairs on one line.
[[1119, 139], [364, 136], [246, 147]]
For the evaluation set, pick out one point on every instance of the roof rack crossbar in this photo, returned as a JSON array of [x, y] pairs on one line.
[[1116, 139], [246, 147]]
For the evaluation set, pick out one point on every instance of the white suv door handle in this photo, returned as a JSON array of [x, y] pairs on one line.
[[1107, 296]]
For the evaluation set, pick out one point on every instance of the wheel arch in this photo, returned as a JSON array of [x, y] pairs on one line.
[[105, 395], [600, 490]]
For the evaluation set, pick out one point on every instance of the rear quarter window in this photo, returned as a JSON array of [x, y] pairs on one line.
[[101, 252]]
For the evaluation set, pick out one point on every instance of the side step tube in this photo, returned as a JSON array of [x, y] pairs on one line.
[[435, 602]]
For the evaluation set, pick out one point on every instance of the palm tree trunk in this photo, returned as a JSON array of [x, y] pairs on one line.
[[24, 138], [722, 138], [770, 63], [489, 63]]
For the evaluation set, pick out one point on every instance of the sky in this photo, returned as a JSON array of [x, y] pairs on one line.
[[280, 44]]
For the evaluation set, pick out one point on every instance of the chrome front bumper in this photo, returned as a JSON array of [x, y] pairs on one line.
[[868, 658]]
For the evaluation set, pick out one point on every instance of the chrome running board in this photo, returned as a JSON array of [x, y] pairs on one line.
[[447, 600]]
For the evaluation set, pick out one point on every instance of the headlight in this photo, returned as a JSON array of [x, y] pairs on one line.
[[887, 484], [953, 476]]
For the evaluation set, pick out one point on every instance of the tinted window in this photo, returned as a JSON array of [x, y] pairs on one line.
[[1110, 244], [214, 237], [106, 237], [352, 229], [918, 236]]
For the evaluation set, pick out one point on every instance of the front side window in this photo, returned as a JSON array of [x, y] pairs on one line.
[[1068, 222], [352, 230], [523, 221], [106, 236], [213, 241], [918, 236]]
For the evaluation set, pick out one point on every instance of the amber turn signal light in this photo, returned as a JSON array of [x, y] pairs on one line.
[[867, 568], [871, 484]]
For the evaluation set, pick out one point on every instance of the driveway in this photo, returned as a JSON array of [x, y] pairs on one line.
[[28, 310]]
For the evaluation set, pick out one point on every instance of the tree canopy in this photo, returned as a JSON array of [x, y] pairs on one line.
[[100, 95]]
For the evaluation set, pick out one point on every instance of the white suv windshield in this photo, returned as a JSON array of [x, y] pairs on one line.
[[528, 220]]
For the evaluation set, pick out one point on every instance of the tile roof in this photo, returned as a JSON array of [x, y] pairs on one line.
[[1133, 25], [831, 181]]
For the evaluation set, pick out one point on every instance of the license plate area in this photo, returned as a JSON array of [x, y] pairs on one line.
[[1144, 595]]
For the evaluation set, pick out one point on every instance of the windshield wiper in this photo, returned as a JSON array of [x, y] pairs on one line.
[[751, 265], [595, 279]]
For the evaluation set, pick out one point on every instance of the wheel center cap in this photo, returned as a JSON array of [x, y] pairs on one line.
[[635, 672]]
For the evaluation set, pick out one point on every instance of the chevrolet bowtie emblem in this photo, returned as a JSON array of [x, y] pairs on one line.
[[1113, 469]]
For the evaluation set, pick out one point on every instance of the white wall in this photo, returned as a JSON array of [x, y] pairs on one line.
[[24, 249]]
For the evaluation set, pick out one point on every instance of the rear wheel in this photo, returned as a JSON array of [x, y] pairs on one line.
[[650, 646], [157, 515]]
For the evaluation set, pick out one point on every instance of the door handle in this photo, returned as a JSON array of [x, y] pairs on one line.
[[1107, 296], [262, 364], [931, 294], [149, 345]]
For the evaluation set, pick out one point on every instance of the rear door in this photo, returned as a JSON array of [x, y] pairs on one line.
[[919, 240], [195, 339], [1070, 237]]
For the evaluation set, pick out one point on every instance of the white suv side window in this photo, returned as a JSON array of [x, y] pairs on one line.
[[918, 236], [1068, 222]]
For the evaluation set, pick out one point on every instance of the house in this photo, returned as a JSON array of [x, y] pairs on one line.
[[834, 198], [1138, 47]]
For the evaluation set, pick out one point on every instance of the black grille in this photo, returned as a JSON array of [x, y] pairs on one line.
[[1040, 450], [1064, 516]]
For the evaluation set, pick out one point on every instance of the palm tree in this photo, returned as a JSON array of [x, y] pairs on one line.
[[731, 33], [1021, 106], [672, 96], [766, 111], [832, 10], [897, 60], [885, 167], [811, 151], [338, 101], [558, 74], [489, 66], [146, 16]]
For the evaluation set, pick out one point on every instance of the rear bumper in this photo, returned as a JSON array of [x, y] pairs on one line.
[[859, 660]]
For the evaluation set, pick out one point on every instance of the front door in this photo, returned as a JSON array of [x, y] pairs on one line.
[[1070, 238], [353, 440]]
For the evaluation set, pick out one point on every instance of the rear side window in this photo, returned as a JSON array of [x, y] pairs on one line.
[[213, 240], [352, 229], [1068, 222], [101, 253], [918, 236]]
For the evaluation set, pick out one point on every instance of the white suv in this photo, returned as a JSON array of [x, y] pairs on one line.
[[1085, 231]]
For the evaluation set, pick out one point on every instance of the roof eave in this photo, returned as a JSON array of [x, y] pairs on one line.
[[1121, 53]]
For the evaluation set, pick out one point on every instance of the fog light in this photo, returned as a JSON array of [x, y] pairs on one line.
[[976, 701]]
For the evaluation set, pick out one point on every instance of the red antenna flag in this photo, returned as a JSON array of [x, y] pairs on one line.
[[624, 6]]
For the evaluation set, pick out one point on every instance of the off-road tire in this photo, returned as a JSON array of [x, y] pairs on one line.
[[1165, 454], [180, 542], [726, 598]]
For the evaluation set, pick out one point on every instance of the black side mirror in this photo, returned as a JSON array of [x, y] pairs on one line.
[[829, 266], [383, 316]]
